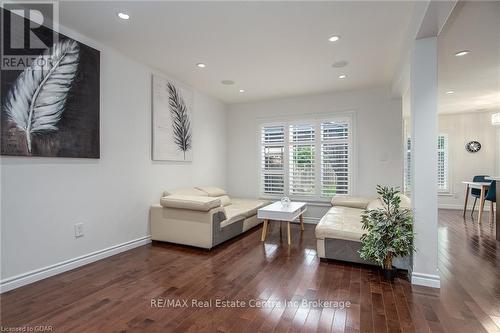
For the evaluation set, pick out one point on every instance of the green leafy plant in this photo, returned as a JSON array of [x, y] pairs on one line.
[[389, 230]]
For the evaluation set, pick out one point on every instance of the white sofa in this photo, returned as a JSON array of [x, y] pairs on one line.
[[202, 216], [338, 233]]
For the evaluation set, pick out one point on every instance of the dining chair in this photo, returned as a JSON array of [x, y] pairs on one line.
[[475, 192], [491, 196]]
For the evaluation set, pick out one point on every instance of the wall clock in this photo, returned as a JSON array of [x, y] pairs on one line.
[[473, 146]]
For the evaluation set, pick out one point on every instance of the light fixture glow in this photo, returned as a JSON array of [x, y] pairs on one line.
[[495, 119], [334, 38], [201, 65], [449, 92], [242, 90], [462, 53], [343, 76], [123, 16]]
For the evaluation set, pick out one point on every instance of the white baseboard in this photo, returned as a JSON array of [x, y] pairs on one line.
[[48, 271], [311, 220], [461, 207], [427, 280], [308, 220]]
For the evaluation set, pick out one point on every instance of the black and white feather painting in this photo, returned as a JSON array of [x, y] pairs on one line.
[[172, 120], [51, 107]]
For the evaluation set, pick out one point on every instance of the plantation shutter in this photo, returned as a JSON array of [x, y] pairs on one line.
[[334, 158], [302, 164], [442, 172], [442, 163], [407, 175], [272, 159]]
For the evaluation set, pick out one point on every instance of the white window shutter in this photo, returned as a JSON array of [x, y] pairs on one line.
[[442, 163], [302, 160], [335, 158], [272, 160], [307, 159], [442, 167]]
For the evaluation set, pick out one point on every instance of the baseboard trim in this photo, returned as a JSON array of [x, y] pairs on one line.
[[427, 280], [311, 220], [67, 265], [308, 220], [461, 207]]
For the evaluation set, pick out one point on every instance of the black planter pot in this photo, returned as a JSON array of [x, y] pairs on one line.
[[389, 274]]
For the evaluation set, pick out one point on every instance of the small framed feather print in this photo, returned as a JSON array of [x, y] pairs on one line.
[[172, 120], [50, 105]]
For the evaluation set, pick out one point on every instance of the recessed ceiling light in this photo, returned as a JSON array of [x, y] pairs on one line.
[[334, 38], [201, 65], [462, 53], [242, 90], [339, 64], [343, 76], [227, 82], [123, 16], [449, 92]]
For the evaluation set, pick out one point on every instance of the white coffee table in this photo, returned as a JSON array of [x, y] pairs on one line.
[[276, 212]]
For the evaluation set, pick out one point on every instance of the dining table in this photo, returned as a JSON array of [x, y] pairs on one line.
[[483, 187]]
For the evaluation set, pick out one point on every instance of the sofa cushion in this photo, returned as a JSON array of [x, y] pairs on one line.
[[405, 201], [190, 202], [232, 215], [378, 204], [212, 191], [185, 191], [225, 200], [248, 207], [349, 201], [375, 204], [341, 223]]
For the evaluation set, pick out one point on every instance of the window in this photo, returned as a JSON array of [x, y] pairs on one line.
[[273, 159], [302, 175], [309, 159], [442, 163], [442, 151], [334, 158], [407, 172]]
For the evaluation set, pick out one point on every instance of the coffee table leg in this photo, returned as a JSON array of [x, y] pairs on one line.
[[264, 231], [288, 232], [301, 222]]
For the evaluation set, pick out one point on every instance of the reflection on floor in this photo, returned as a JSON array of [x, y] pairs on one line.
[[131, 291]]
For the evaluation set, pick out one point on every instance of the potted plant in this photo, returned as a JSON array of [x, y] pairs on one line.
[[389, 231]]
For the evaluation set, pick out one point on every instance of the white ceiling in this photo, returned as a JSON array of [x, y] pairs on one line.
[[475, 78], [270, 49]]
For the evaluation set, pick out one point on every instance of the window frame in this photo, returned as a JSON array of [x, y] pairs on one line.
[[316, 120]]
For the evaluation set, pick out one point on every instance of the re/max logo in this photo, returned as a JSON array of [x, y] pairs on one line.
[[168, 303]]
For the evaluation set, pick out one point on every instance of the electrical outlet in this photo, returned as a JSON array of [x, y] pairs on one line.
[[78, 230]]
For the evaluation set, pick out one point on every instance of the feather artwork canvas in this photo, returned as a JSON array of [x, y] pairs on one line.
[[50, 108], [172, 120]]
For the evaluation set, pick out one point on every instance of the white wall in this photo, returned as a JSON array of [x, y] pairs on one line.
[[378, 138], [462, 128], [42, 198]]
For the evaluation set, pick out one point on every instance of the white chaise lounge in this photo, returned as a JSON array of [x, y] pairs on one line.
[[338, 233], [202, 216]]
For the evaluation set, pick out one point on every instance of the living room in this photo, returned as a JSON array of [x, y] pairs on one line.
[[215, 166]]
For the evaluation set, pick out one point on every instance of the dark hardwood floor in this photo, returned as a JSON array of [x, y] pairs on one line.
[[114, 295]]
